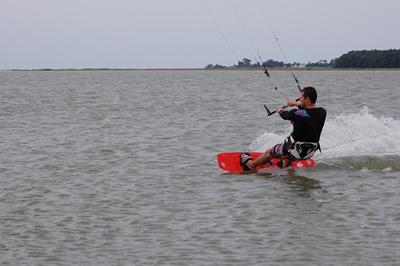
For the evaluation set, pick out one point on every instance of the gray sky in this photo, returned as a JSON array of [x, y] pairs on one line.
[[59, 34]]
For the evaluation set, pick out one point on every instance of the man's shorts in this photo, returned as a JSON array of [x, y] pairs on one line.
[[277, 151]]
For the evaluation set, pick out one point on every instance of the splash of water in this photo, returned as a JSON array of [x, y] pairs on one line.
[[361, 134]]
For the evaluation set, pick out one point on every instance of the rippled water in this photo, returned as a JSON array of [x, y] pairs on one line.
[[120, 168]]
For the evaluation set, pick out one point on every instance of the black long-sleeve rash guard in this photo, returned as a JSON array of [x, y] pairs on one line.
[[307, 123]]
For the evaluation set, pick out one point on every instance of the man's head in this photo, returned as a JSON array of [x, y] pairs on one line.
[[311, 93]]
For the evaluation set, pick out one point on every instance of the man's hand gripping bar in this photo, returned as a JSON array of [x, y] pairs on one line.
[[271, 113]]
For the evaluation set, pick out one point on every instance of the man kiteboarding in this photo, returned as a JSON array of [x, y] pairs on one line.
[[308, 121]]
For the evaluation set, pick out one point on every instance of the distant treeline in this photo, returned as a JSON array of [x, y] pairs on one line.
[[353, 59], [369, 59], [272, 64]]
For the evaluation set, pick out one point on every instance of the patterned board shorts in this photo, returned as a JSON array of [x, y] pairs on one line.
[[277, 151], [299, 151]]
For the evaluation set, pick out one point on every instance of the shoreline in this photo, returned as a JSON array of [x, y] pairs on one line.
[[207, 69]]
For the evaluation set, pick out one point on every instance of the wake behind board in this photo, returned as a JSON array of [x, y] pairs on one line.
[[231, 162]]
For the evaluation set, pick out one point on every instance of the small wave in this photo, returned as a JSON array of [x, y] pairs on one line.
[[387, 163]]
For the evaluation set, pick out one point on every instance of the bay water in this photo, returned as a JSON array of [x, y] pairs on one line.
[[120, 168]]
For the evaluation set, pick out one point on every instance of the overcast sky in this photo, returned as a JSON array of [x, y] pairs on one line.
[[61, 34]]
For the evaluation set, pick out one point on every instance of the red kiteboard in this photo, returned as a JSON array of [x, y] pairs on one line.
[[231, 162]]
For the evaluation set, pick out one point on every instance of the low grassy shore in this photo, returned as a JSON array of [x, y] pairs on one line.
[[209, 69]]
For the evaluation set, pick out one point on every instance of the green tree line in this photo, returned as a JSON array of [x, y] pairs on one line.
[[369, 59]]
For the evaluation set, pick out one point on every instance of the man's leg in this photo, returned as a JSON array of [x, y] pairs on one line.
[[277, 151], [261, 160]]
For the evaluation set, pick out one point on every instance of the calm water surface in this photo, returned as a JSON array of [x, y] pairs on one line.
[[120, 168]]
